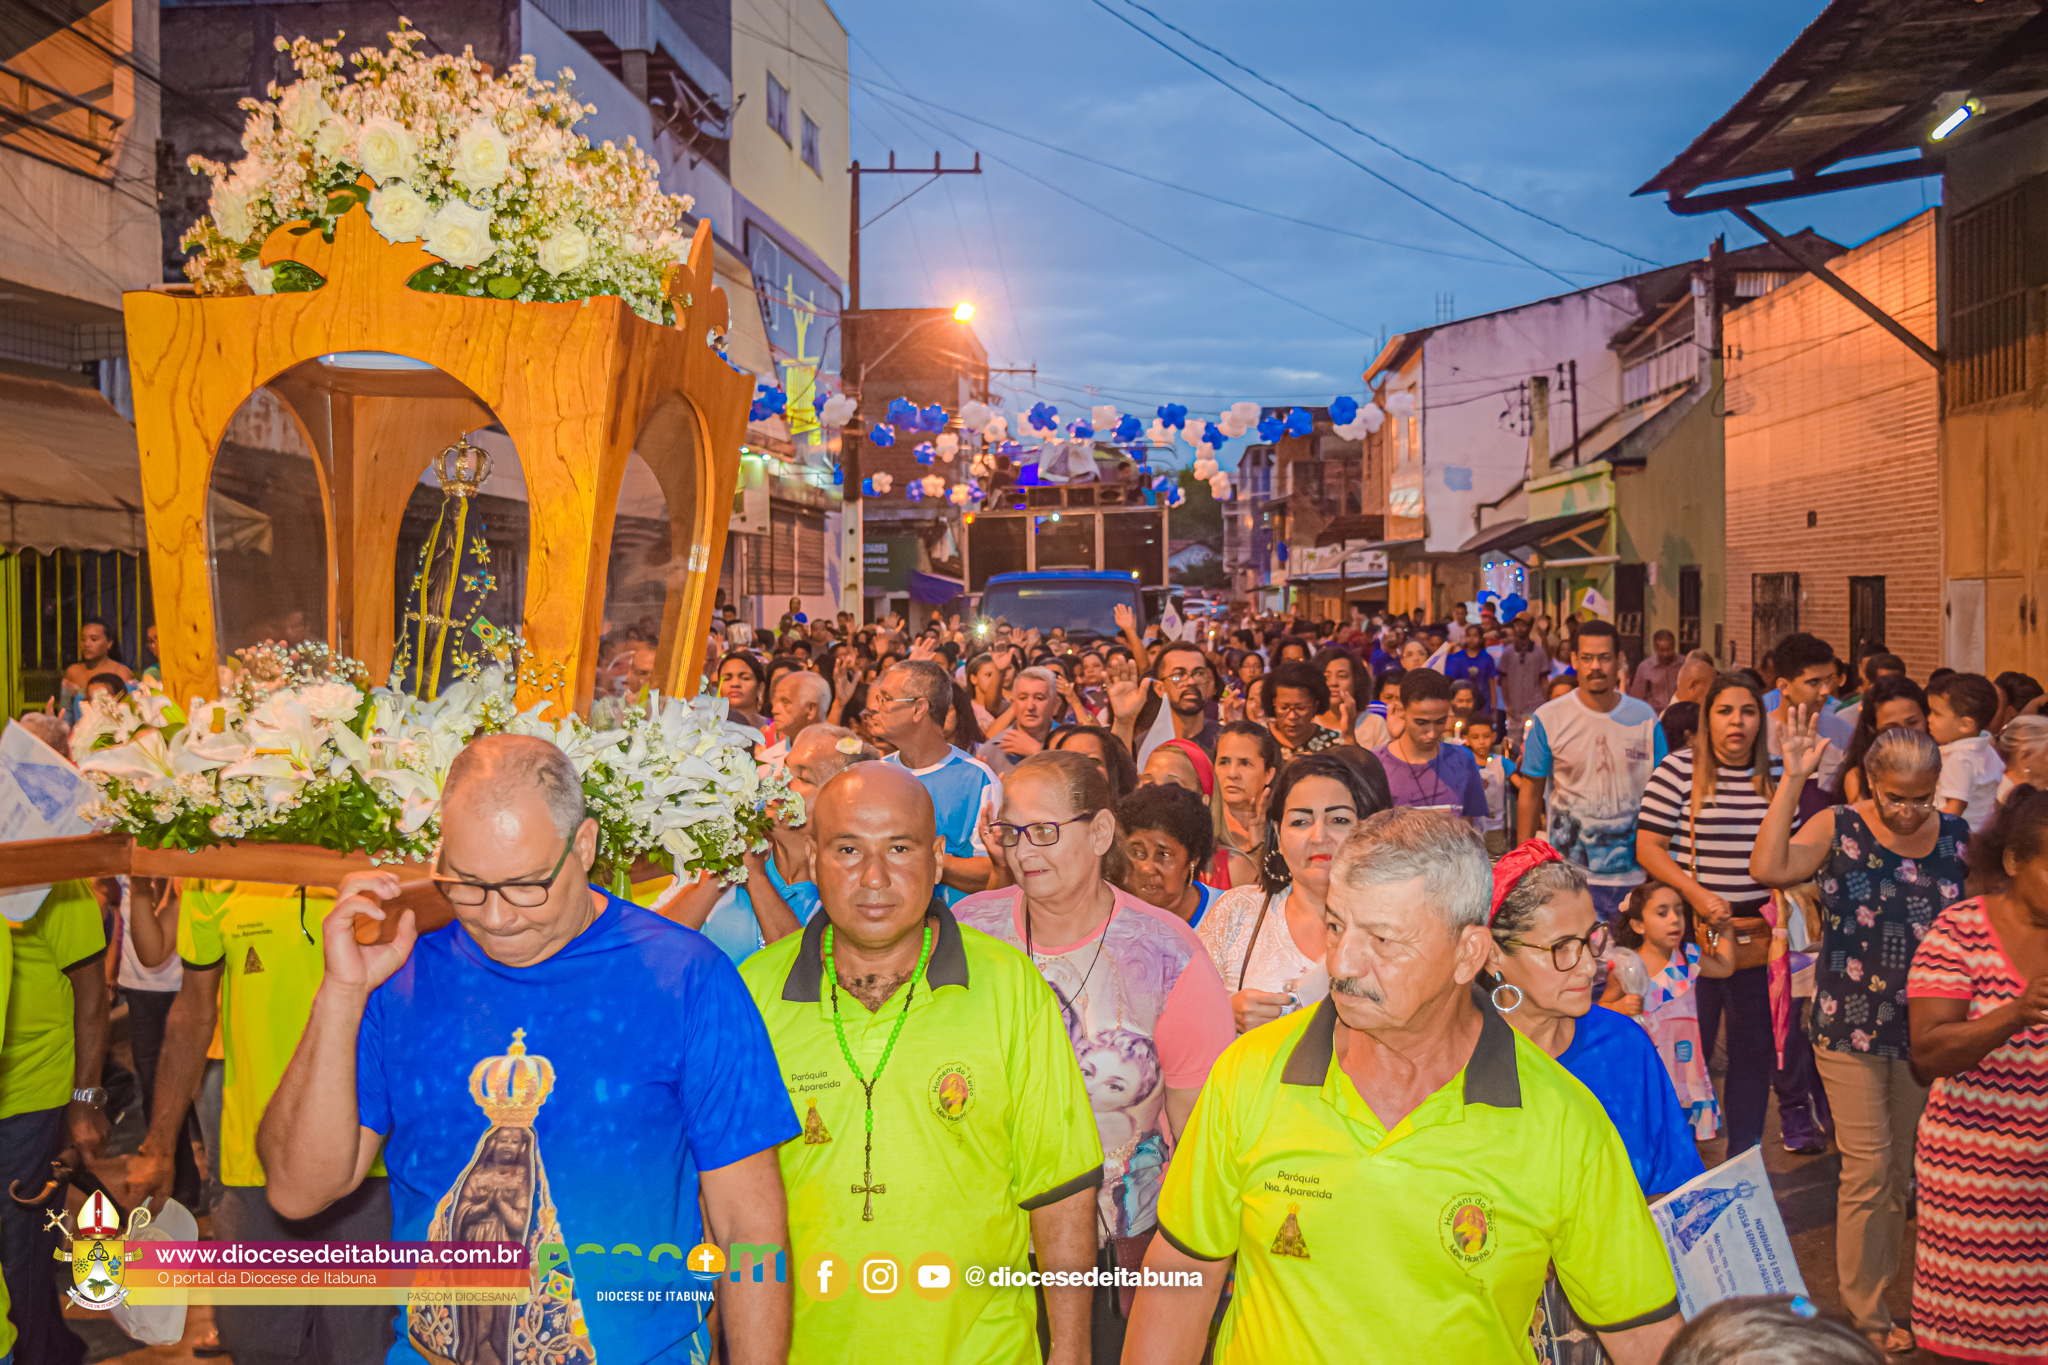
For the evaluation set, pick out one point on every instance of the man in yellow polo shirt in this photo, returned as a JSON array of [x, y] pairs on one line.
[[252, 954], [50, 1097], [1394, 1171], [946, 1128]]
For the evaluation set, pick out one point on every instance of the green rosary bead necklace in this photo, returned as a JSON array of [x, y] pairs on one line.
[[868, 1189]]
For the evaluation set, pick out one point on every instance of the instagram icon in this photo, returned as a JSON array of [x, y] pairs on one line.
[[878, 1277]]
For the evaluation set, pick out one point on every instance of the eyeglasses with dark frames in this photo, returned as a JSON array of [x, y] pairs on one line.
[[1043, 833], [526, 895], [1566, 952]]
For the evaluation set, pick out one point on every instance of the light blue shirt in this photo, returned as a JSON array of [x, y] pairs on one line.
[[961, 785]]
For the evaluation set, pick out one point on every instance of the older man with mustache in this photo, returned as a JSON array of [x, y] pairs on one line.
[[1393, 1172]]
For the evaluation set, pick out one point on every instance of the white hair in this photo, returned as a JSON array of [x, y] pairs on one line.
[[811, 687], [1037, 673], [1404, 843], [2021, 737], [739, 635]]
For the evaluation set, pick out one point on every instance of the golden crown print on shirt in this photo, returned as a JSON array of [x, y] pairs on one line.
[[502, 1196]]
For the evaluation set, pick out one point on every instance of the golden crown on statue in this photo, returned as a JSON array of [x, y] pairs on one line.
[[462, 468], [512, 1088]]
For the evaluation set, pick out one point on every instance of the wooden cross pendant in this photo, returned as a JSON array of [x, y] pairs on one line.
[[871, 1189]]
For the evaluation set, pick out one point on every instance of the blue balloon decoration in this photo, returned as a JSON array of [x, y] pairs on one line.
[[1343, 410], [903, 413], [1213, 435], [1300, 422], [1044, 417], [915, 490], [818, 403], [1173, 416], [1081, 431], [1270, 429], [1129, 428], [867, 488], [838, 477], [1280, 552], [924, 452], [932, 418], [881, 435]]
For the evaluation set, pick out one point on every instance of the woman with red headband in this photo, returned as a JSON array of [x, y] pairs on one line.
[[1547, 944]]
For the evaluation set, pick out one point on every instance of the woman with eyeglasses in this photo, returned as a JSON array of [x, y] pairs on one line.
[[1547, 946], [1143, 1005], [1884, 868], [1268, 941]]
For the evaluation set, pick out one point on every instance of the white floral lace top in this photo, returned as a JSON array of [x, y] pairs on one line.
[[1275, 963]]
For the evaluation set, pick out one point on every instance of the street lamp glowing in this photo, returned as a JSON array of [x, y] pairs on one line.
[[1964, 112], [964, 311]]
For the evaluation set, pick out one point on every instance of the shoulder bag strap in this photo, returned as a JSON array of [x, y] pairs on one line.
[[1265, 907]]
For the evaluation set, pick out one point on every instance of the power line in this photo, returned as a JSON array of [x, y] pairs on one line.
[[1332, 148], [1211, 197], [1385, 145], [1170, 245], [896, 88]]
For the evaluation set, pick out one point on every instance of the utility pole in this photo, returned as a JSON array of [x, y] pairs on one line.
[[1572, 371], [852, 588]]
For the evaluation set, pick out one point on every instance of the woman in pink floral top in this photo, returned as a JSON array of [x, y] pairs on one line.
[[1884, 867]]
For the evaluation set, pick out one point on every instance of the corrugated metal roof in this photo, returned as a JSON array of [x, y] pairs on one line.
[[1869, 77]]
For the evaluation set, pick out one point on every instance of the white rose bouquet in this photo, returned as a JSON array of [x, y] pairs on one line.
[[486, 171], [296, 752]]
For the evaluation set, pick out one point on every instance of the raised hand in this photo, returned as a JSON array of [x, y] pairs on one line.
[[365, 966], [1126, 619], [1127, 697], [1800, 743]]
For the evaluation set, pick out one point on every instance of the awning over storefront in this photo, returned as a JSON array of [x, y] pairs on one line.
[[1519, 534], [70, 477], [933, 589]]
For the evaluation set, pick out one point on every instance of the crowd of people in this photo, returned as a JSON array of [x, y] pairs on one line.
[[1318, 907]]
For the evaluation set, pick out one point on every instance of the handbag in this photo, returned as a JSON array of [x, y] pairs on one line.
[[1752, 932]]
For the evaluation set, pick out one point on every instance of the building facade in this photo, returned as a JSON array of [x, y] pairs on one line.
[[79, 130], [1833, 467]]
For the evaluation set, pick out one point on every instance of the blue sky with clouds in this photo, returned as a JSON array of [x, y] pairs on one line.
[[1151, 293]]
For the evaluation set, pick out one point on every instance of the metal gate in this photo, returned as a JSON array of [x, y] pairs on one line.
[[1773, 612]]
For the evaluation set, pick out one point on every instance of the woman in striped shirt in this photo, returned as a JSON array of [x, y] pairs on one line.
[[1700, 815]]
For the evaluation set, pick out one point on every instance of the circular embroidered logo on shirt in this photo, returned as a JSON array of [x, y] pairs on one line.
[[952, 1091], [1467, 1228]]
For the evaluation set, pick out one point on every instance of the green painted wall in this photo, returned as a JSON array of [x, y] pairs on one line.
[[1673, 511]]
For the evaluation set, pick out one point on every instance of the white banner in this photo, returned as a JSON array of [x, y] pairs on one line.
[[1725, 1236], [40, 797]]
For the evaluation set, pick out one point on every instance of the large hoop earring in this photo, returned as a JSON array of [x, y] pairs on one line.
[[1507, 986]]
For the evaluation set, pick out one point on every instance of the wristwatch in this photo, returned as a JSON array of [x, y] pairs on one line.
[[95, 1095]]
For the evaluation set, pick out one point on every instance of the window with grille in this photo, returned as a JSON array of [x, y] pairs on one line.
[[1988, 308], [808, 147], [778, 107], [1774, 612]]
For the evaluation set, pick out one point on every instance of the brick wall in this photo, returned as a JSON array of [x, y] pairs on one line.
[[1829, 415]]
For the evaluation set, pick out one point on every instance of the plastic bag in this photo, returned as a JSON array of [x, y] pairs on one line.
[[159, 1324]]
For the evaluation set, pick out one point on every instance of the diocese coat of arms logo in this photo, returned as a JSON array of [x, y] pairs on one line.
[[98, 1253]]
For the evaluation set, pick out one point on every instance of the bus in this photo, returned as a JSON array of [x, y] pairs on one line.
[[1077, 535]]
